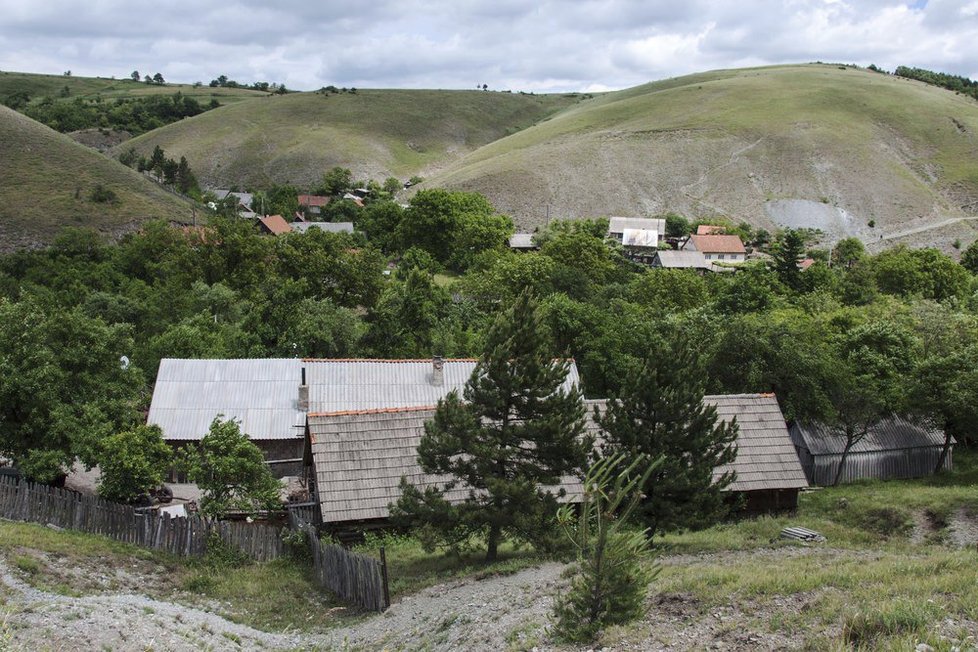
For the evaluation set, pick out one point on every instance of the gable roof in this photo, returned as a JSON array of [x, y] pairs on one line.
[[244, 198], [718, 244], [363, 384], [275, 224], [360, 457], [263, 394], [522, 241], [710, 229], [682, 259], [329, 227], [766, 457], [894, 433], [619, 224], [313, 200]]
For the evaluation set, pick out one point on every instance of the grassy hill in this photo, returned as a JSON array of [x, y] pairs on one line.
[[806, 145], [376, 133], [38, 86], [46, 182]]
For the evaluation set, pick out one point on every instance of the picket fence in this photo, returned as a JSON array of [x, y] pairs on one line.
[[353, 577]]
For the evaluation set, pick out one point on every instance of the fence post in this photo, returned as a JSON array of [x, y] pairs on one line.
[[383, 573]]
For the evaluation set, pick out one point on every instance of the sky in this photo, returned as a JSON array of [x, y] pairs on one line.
[[506, 44]]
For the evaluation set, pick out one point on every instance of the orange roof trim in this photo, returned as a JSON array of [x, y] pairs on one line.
[[343, 413]]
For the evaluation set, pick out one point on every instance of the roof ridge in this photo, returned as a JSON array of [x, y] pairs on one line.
[[342, 413], [387, 359]]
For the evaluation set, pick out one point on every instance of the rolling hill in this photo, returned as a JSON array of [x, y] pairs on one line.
[[823, 146], [47, 181], [38, 86], [376, 133]]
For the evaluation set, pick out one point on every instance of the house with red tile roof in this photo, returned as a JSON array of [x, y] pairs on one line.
[[718, 248], [274, 225]]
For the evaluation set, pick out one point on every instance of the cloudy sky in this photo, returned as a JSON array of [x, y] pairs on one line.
[[507, 44]]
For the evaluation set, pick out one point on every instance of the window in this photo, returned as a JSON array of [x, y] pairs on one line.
[[720, 257]]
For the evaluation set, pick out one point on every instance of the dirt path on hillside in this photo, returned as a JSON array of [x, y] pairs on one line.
[[510, 612]]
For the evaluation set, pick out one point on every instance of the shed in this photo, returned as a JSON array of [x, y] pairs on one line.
[[893, 448], [522, 242]]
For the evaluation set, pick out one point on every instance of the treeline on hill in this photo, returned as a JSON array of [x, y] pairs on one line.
[[955, 83], [850, 337], [136, 114], [168, 171], [223, 82]]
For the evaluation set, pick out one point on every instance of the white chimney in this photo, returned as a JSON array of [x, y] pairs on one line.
[[437, 371], [303, 393]]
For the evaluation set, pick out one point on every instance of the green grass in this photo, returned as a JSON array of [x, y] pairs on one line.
[[48, 179], [376, 133], [411, 568]]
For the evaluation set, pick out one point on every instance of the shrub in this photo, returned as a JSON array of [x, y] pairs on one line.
[[102, 195]]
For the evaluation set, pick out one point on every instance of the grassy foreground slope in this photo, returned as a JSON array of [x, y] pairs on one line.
[[46, 180], [865, 146], [376, 133], [38, 86]]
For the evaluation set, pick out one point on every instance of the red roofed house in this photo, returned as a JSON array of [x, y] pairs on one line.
[[313, 203], [710, 229], [274, 224], [720, 248]]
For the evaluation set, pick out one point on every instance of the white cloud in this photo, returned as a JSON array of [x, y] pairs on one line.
[[547, 45]]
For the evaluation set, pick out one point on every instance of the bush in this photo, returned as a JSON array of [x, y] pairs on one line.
[[102, 195]]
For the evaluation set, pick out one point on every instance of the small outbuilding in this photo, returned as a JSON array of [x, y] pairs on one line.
[[894, 448]]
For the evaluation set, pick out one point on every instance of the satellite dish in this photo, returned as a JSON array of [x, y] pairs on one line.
[[124, 362]]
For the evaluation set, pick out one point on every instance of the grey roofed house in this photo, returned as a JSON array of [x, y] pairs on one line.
[[645, 232], [522, 241], [893, 448], [329, 227], [358, 459], [679, 259]]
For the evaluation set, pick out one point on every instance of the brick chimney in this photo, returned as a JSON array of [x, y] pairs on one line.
[[437, 371], [303, 393]]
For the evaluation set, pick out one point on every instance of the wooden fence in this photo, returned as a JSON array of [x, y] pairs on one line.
[[353, 577], [23, 501]]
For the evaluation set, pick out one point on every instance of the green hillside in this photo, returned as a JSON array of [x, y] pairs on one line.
[[38, 86], [47, 181], [807, 145], [376, 133]]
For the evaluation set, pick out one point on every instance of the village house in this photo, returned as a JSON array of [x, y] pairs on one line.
[[717, 248], [892, 449], [679, 259], [710, 229], [356, 459], [314, 204], [270, 398], [640, 236], [522, 242], [274, 225]]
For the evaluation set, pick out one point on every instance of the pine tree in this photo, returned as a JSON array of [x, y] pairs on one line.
[[788, 252], [516, 431], [660, 413]]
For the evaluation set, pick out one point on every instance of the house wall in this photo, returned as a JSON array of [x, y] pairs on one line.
[[727, 258], [274, 451], [880, 465]]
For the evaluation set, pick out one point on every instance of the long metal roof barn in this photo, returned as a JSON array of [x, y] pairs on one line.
[[263, 394]]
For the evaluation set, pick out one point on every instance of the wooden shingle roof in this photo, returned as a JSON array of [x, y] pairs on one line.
[[360, 457]]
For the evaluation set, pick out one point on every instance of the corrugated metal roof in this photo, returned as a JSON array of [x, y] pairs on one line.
[[359, 459], [336, 386], [683, 259], [263, 394], [330, 227], [894, 433], [619, 224], [766, 458], [522, 241]]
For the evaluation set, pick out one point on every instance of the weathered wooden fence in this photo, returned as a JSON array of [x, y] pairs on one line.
[[353, 577], [23, 501]]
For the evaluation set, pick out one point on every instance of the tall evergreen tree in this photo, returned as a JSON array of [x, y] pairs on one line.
[[516, 432], [788, 252], [660, 412]]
